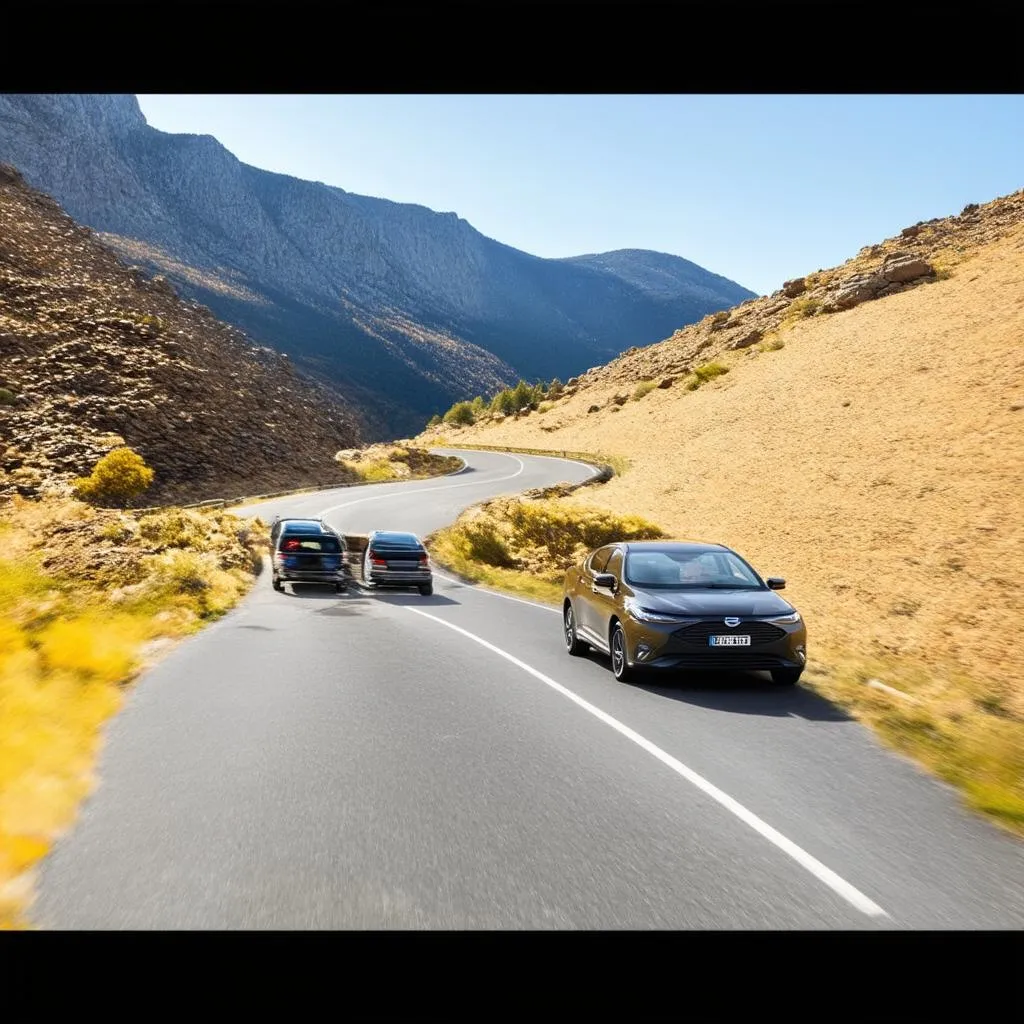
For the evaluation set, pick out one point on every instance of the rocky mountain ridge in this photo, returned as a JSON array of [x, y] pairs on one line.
[[95, 354], [403, 307], [921, 253]]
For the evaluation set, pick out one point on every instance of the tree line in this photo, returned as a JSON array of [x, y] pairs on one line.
[[506, 403]]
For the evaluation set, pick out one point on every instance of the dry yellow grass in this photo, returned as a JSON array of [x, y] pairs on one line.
[[877, 462], [381, 463], [84, 593]]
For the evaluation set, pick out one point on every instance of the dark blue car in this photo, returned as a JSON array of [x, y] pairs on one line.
[[307, 551]]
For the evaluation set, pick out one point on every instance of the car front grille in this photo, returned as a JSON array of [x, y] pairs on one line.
[[697, 634], [727, 658]]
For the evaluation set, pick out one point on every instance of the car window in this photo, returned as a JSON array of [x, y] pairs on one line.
[[599, 559], [680, 569], [614, 565], [305, 543]]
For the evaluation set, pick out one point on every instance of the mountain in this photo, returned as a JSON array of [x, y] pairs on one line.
[[404, 308], [94, 354]]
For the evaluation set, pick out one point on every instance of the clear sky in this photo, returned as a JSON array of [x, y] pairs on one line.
[[757, 188]]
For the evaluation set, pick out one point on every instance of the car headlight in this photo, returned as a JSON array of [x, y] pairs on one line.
[[787, 620], [642, 614]]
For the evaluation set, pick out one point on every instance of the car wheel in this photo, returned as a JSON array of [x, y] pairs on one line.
[[427, 589], [341, 588], [276, 583], [620, 667], [572, 641], [786, 676]]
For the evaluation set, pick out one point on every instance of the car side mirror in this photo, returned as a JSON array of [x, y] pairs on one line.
[[605, 580], [776, 583]]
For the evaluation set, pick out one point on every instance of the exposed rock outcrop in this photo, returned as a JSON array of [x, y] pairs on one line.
[[95, 354]]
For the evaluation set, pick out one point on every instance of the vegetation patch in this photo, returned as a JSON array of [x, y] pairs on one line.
[[645, 387], [520, 400], [84, 592], [116, 480], [525, 546], [383, 462], [802, 308], [958, 726], [705, 373]]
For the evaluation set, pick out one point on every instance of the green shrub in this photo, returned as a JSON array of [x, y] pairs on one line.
[[435, 420], [118, 478], [702, 374], [485, 544], [461, 414], [645, 387], [7, 396], [802, 308]]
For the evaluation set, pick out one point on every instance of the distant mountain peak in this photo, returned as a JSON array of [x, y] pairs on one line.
[[405, 308]]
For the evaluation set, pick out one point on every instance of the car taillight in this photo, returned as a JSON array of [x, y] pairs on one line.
[[375, 559], [424, 561]]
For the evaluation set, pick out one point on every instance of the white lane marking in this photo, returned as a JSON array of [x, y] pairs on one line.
[[427, 490], [476, 588], [838, 885], [558, 458]]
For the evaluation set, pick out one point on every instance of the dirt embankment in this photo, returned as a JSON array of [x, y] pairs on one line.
[[872, 455], [95, 354]]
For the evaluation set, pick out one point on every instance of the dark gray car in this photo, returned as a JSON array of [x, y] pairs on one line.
[[307, 551], [395, 559]]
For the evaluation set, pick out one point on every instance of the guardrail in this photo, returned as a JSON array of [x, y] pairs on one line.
[[212, 503], [591, 458], [604, 463]]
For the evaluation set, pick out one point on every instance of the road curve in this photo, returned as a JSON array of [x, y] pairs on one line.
[[367, 761]]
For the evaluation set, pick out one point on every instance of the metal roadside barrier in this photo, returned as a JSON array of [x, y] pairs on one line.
[[606, 472], [591, 458], [211, 503], [600, 462]]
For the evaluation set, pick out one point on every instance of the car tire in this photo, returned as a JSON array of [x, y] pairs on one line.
[[276, 583], [786, 676], [427, 589], [341, 588], [620, 666], [573, 644]]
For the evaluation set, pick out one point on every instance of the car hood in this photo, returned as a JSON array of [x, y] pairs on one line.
[[713, 603]]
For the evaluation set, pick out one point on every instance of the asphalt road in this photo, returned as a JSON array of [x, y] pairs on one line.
[[366, 761]]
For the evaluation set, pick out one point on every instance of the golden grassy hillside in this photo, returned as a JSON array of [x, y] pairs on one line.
[[876, 460]]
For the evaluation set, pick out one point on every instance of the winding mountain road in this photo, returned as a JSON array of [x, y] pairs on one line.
[[373, 761]]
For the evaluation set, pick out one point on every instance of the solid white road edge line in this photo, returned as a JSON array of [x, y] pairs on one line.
[[838, 885], [427, 490]]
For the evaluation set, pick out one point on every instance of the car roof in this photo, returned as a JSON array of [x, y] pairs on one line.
[[398, 536], [305, 525], [671, 545]]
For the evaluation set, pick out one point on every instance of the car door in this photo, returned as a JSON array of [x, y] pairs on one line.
[[603, 601], [585, 594]]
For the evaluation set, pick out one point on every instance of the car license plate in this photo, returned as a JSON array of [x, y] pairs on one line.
[[729, 641]]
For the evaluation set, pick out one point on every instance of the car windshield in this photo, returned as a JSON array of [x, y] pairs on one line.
[[328, 544], [689, 570], [396, 540]]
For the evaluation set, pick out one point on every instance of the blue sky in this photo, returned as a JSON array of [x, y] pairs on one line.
[[758, 188]]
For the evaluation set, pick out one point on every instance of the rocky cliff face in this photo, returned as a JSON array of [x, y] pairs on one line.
[[94, 354], [405, 308]]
